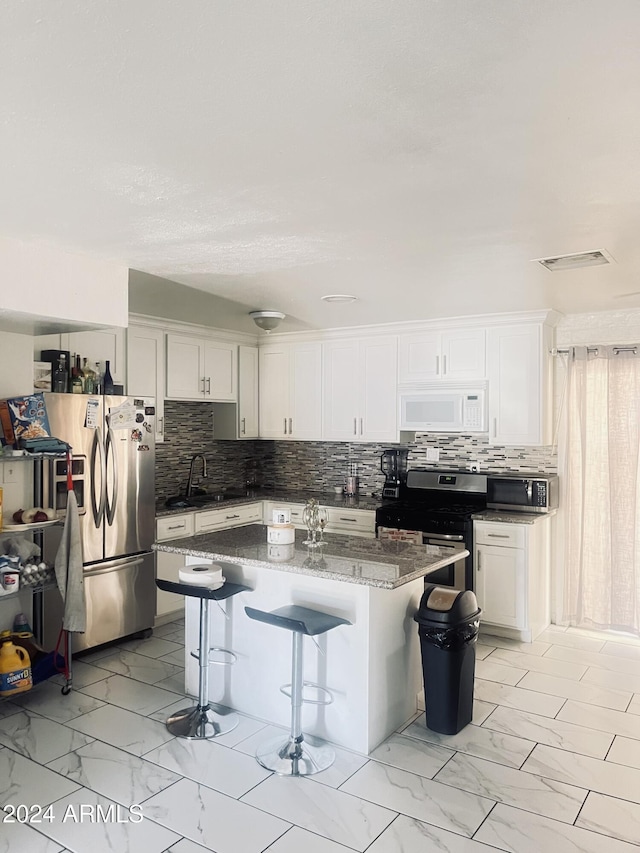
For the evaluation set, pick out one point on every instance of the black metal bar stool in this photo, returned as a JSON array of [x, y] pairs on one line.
[[204, 720], [294, 756]]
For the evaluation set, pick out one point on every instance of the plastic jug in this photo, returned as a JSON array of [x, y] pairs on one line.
[[15, 667]]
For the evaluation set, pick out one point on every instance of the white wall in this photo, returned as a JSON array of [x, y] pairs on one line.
[[46, 282]]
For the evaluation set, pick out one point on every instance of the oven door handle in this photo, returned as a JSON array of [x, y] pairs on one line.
[[451, 537]]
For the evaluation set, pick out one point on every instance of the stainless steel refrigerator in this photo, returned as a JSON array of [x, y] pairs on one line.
[[113, 466]]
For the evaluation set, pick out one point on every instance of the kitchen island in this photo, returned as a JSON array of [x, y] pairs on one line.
[[372, 667]]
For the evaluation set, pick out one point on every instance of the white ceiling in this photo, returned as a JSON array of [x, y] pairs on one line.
[[414, 153]]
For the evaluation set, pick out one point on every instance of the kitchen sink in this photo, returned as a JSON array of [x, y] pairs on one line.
[[198, 500]]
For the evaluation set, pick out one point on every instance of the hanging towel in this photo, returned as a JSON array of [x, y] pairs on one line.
[[70, 571]]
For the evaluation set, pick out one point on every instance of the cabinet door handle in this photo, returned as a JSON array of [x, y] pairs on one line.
[[498, 536], [478, 566], [355, 426], [161, 424], [437, 365], [202, 380], [290, 426], [444, 365], [243, 421], [285, 426], [208, 384], [495, 427], [361, 426]]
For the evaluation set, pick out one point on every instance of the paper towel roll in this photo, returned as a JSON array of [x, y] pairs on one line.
[[283, 534], [210, 575]]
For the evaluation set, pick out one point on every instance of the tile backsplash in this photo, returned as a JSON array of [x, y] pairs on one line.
[[313, 465]]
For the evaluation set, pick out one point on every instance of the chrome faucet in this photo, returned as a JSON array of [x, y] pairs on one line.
[[204, 472]]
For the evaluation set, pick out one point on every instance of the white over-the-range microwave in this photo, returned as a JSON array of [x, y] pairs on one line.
[[438, 409]]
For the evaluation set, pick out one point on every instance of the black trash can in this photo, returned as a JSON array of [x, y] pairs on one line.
[[448, 622]]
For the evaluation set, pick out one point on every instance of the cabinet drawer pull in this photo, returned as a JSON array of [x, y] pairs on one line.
[[348, 519], [177, 527], [498, 536], [229, 517]]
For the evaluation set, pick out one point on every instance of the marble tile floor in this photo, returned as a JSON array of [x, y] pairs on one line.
[[551, 762]]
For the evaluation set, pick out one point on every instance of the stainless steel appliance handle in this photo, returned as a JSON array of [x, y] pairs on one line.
[[120, 563], [530, 491], [109, 452], [452, 537], [97, 450]]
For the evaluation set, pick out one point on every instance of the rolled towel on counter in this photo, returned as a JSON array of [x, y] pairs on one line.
[[209, 575], [281, 534]]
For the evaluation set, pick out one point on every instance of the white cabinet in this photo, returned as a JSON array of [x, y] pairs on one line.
[[100, 345], [519, 385], [174, 526], [357, 522], [454, 355], [512, 580], [201, 369], [234, 516], [290, 391], [231, 421], [360, 388], [146, 368]]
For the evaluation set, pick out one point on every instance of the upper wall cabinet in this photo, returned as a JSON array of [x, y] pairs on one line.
[[360, 387], [201, 369], [519, 384], [146, 368], [100, 345], [291, 391], [456, 355], [231, 421]]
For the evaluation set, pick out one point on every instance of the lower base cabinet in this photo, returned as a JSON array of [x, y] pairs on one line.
[[167, 568], [512, 577]]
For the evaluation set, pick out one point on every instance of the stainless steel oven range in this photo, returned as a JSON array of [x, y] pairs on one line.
[[439, 505]]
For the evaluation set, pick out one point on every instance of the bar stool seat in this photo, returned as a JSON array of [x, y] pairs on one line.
[[204, 720], [294, 756]]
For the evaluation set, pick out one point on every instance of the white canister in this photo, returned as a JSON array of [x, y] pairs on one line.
[[281, 516], [284, 534], [280, 553], [10, 581]]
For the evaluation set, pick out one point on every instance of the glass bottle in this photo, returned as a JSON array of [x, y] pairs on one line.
[[76, 377], [107, 380], [89, 378], [60, 378]]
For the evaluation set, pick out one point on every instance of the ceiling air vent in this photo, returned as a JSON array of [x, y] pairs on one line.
[[572, 262]]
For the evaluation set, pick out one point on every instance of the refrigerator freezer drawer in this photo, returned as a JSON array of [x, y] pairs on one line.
[[121, 600]]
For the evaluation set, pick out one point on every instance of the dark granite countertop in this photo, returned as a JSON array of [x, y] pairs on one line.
[[350, 559], [366, 502]]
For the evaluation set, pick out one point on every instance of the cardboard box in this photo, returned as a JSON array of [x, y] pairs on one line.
[[24, 417]]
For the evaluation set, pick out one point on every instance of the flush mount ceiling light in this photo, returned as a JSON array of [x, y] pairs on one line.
[[267, 320], [338, 297], [572, 262]]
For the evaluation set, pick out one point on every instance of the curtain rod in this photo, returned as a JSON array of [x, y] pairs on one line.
[[616, 349]]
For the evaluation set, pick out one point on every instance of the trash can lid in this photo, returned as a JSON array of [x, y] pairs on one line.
[[445, 606]]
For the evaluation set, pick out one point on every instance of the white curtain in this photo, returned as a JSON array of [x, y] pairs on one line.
[[599, 448]]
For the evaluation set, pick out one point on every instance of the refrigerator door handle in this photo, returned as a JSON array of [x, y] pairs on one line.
[[109, 452], [97, 450], [118, 563]]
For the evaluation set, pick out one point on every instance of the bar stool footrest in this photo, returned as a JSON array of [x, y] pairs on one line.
[[295, 756], [233, 657], [200, 722], [286, 689]]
